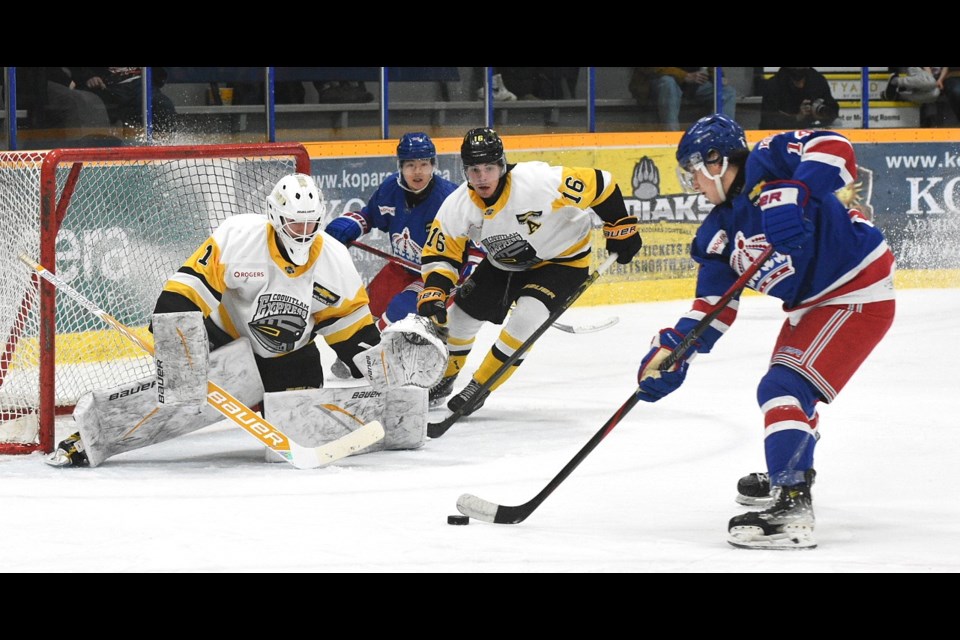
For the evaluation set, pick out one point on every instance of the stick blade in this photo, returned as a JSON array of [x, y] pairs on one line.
[[477, 508], [587, 328], [314, 457]]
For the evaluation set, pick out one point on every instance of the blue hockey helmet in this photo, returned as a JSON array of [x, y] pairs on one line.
[[710, 140], [416, 146]]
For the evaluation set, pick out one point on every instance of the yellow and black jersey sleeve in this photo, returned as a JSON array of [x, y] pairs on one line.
[[197, 285], [442, 256], [585, 187]]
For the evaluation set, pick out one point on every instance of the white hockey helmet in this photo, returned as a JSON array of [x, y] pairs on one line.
[[296, 208]]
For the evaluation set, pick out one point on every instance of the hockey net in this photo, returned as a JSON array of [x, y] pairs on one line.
[[115, 223]]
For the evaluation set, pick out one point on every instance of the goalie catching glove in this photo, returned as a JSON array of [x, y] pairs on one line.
[[411, 352], [784, 224], [623, 238], [654, 382]]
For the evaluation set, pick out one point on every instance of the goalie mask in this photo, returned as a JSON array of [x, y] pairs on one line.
[[295, 208]]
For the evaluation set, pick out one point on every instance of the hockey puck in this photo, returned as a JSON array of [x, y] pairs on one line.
[[458, 519]]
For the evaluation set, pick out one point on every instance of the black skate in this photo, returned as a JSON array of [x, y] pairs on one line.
[[69, 453], [469, 391], [788, 524], [440, 391], [753, 490]]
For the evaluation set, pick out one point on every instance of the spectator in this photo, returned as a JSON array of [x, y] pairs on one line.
[[540, 83], [669, 88], [797, 98], [949, 81], [120, 89], [913, 84]]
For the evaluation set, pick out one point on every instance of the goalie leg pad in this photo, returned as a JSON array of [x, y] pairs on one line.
[[410, 352], [128, 417], [182, 356], [312, 417]]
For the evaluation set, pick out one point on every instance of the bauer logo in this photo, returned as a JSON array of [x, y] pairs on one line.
[[246, 418], [132, 390], [365, 394]]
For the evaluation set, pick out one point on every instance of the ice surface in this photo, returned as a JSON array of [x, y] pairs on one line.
[[655, 496]]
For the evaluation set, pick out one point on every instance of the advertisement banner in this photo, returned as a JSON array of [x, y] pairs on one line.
[[910, 190]]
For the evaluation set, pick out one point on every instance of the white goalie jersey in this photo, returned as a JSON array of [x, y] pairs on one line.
[[239, 279], [542, 214]]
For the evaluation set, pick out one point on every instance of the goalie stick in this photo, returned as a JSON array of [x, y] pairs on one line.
[[437, 429], [221, 400], [480, 509], [415, 268]]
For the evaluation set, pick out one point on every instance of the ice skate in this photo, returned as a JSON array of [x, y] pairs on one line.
[[440, 391], [469, 391], [69, 453], [788, 524], [753, 489]]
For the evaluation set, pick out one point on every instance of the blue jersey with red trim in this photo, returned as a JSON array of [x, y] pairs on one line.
[[822, 160], [407, 226], [847, 261]]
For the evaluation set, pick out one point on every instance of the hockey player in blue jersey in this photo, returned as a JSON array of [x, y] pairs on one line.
[[832, 269], [404, 207]]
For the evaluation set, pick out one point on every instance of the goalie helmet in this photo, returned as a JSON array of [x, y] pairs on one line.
[[295, 208], [710, 140], [482, 146]]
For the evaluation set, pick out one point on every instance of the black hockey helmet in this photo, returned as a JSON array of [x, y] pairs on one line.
[[482, 146]]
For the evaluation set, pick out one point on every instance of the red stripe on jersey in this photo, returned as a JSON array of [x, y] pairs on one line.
[[727, 316], [835, 147]]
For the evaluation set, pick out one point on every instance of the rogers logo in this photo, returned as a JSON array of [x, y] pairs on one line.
[[248, 274]]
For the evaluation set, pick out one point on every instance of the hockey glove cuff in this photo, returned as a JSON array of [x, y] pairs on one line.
[[346, 228], [623, 238], [432, 303], [655, 383]]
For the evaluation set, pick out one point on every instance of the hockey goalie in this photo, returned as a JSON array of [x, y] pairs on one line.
[[243, 311]]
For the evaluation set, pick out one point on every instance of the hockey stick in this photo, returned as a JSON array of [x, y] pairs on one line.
[[415, 268], [221, 400], [480, 509], [437, 429]]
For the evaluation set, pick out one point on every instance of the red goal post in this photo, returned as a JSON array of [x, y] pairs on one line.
[[115, 223]]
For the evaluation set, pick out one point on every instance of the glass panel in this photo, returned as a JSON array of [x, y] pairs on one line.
[[215, 105], [530, 100], [77, 106], [442, 101], [328, 103]]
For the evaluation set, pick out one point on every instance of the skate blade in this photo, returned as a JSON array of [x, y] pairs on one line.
[[793, 537]]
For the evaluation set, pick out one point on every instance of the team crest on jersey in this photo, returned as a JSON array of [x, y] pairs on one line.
[[278, 322], [324, 295], [511, 250], [404, 246], [774, 270], [530, 219]]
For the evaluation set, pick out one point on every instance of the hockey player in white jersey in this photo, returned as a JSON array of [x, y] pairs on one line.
[[255, 293], [535, 222]]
